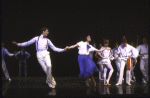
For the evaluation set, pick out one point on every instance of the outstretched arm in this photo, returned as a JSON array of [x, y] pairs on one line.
[[28, 43], [9, 54], [73, 46], [100, 50], [50, 44]]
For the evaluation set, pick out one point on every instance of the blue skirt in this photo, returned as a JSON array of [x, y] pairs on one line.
[[86, 65]]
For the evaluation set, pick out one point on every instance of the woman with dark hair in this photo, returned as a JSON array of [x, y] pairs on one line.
[[86, 64]]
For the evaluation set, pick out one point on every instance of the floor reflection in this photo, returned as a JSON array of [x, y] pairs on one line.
[[70, 86], [145, 88], [103, 89], [5, 88], [119, 89], [90, 90], [53, 92]]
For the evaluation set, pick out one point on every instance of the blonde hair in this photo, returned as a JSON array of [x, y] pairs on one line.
[[106, 41]]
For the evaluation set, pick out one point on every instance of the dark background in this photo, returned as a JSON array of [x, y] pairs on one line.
[[70, 22]]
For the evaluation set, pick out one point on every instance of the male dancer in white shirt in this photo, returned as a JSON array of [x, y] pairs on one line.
[[116, 55], [126, 51], [43, 55], [143, 49]]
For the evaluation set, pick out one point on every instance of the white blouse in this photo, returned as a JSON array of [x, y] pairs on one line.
[[83, 48]]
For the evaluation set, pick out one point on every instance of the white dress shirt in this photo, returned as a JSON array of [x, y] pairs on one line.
[[115, 52], [127, 51], [41, 44], [143, 49]]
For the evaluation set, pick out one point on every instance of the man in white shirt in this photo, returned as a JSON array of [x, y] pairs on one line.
[[126, 51], [116, 55], [43, 56], [143, 49]]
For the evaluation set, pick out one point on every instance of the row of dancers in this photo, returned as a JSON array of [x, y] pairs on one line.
[[124, 54], [121, 59]]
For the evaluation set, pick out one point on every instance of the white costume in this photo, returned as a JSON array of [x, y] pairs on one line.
[[144, 61], [107, 64], [43, 55], [125, 52]]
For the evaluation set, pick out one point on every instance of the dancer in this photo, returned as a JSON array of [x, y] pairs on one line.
[[106, 55], [43, 56], [126, 51], [143, 49], [116, 55], [97, 55], [133, 64], [4, 52], [86, 64], [22, 56]]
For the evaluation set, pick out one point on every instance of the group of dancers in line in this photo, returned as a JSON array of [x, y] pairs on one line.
[[123, 54]]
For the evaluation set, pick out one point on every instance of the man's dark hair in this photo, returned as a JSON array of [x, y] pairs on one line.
[[116, 43], [44, 29]]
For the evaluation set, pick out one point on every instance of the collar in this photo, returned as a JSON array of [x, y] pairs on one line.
[[125, 46], [41, 36]]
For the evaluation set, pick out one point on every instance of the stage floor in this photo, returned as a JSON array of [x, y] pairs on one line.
[[69, 86]]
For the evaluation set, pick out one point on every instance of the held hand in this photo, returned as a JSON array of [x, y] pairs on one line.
[[67, 48], [15, 43], [129, 57], [15, 52]]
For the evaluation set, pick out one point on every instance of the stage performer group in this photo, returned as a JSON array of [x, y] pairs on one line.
[[123, 55]]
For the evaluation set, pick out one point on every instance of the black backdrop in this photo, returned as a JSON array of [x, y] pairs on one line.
[[69, 22]]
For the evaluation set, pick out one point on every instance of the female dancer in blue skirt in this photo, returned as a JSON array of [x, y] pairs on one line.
[[86, 64]]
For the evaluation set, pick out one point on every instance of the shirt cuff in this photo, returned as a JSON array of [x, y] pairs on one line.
[[19, 44]]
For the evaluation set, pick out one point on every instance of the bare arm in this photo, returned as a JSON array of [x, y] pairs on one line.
[[100, 50], [73, 46], [96, 55]]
